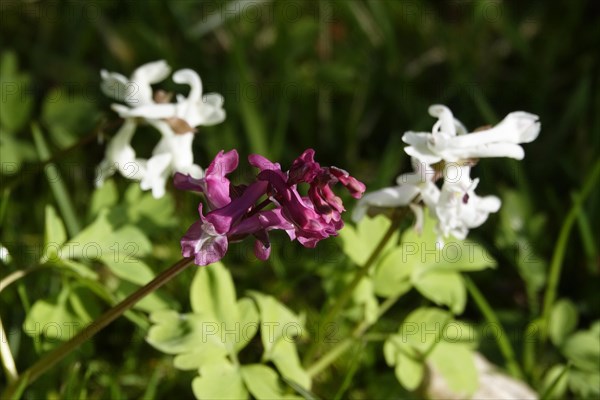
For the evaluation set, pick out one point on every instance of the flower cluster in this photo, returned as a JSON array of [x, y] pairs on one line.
[[448, 153], [175, 121], [271, 201]]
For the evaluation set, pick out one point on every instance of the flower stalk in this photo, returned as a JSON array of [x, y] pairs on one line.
[[502, 338], [561, 247], [54, 357], [345, 345], [360, 274]]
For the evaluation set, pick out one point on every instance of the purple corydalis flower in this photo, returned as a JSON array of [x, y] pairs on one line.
[[214, 184], [236, 213], [318, 215]]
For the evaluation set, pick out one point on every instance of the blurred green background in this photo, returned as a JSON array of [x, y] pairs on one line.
[[346, 78]]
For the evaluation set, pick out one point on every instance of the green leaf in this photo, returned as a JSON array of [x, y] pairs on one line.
[[79, 268], [586, 384], [104, 196], [219, 381], [555, 382], [249, 322], [595, 327], [358, 243], [213, 293], [90, 242], [99, 241], [364, 296], [131, 270], [445, 357], [13, 153], [155, 301], [84, 304], [392, 275], [423, 251], [203, 356], [55, 229], [306, 394], [277, 321], [583, 350], [390, 349], [55, 235], [53, 320], [563, 321], [409, 371], [175, 333], [285, 357], [129, 242], [422, 328], [443, 288], [263, 382], [17, 102], [142, 206]]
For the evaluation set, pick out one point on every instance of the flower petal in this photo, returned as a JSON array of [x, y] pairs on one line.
[[262, 250], [445, 119], [191, 78], [152, 72], [113, 85], [202, 242], [516, 127], [419, 147], [391, 197]]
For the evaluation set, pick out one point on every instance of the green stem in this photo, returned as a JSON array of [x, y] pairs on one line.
[[560, 250], [4, 204], [348, 290], [92, 285], [56, 182], [8, 362], [16, 275], [339, 349], [329, 357], [492, 319], [110, 315], [33, 169]]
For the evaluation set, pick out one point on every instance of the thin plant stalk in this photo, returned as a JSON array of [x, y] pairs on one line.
[[61, 194], [343, 298], [8, 362], [501, 338], [52, 358], [16, 275], [561, 247], [328, 358]]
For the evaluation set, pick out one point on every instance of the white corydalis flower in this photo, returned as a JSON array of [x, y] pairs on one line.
[[410, 189], [448, 152], [449, 140], [120, 156], [195, 109], [173, 153], [457, 207], [175, 121], [137, 90]]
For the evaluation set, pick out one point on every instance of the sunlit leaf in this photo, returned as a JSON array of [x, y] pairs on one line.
[[443, 288], [360, 242], [285, 357], [445, 357], [277, 321], [409, 371], [583, 350], [563, 321], [213, 293], [220, 381], [263, 382]]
